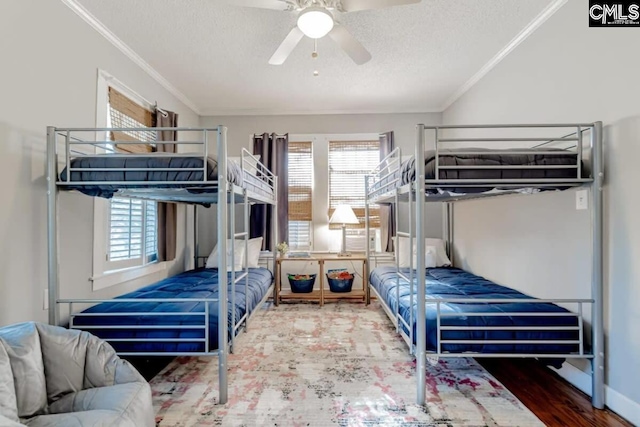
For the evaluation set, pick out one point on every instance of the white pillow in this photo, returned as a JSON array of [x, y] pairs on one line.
[[434, 254], [253, 255], [238, 256], [442, 258], [430, 256]]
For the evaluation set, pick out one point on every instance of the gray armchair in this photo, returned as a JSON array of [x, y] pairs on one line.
[[52, 376]]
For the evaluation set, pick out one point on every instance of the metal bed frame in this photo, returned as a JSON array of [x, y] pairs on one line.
[[65, 143], [384, 185]]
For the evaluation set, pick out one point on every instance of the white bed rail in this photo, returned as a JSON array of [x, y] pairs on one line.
[[578, 328], [386, 176], [257, 177], [405, 328], [84, 142], [202, 323]]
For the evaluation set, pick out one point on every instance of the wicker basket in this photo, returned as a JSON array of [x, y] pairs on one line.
[[302, 286]]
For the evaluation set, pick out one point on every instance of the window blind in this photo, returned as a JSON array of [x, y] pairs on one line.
[[151, 231], [124, 113], [127, 220], [349, 162], [300, 168], [300, 235], [125, 229]]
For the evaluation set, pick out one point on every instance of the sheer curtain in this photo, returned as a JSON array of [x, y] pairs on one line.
[[167, 212], [387, 211], [273, 150]]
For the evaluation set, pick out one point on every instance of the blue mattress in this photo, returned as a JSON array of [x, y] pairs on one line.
[[201, 283], [179, 179], [456, 283]]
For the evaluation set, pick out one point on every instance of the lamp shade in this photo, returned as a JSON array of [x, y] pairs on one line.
[[343, 215]]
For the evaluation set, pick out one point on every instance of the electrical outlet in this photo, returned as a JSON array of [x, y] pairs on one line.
[[582, 200], [45, 301]]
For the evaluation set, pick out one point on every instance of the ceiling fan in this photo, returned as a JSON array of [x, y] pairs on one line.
[[316, 19]]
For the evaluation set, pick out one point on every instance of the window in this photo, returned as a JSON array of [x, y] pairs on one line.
[[132, 233], [349, 162], [132, 224], [300, 195]]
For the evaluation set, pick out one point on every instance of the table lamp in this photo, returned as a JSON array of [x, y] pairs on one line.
[[343, 215]]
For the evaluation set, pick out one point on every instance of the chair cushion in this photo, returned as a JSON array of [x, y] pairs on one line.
[[97, 418], [103, 367], [130, 400], [63, 355], [8, 403], [22, 344]]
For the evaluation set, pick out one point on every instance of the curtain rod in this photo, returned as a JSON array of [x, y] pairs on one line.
[[159, 110]]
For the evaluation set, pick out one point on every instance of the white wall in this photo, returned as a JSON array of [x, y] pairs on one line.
[[566, 72], [242, 128], [50, 60]]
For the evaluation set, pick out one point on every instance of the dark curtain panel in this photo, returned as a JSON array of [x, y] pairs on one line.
[[167, 212], [273, 150], [387, 211]]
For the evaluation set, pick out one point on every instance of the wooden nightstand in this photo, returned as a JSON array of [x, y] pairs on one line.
[[321, 290]]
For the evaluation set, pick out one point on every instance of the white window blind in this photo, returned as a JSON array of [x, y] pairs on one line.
[[300, 169], [300, 235], [125, 229], [151, 231], [349, 162], [132, 232]]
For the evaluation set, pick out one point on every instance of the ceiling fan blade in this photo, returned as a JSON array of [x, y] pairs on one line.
[[356, 5], [262, 4], [286, 47], [350, 45]]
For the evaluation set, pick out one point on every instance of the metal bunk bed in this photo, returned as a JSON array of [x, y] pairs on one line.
[[185, 177], [449, 174]]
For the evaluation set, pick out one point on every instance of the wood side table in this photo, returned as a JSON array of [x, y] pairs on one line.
[[321, 291]]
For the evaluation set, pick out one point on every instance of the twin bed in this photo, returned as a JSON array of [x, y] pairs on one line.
[[447, 312], [168, 317], [524, 325]]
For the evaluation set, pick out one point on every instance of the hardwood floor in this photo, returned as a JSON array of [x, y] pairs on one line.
[[546, 394]]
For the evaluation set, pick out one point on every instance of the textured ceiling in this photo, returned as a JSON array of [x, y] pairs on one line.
[[217, 54]]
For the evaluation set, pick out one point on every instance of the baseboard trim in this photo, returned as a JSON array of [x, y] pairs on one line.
[[617, 402]]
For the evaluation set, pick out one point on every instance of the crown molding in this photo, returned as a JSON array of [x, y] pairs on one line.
[[274, 112], [547, 13], [128, 52]]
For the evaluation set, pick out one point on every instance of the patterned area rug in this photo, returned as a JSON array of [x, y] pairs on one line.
[[342, 365]]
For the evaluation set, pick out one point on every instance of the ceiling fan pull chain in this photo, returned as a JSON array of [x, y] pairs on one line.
[[314, 55]]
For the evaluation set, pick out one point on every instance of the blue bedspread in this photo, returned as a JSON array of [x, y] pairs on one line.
[[456, 283], [201, 283]]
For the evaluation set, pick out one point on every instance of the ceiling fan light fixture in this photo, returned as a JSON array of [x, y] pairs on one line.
[[315, 22]]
